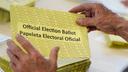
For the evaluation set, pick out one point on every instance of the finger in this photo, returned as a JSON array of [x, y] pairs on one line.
[[82, 7], [25, 44], [77, 9], [54, 55], [13, 67], [12, 57], [14, 49], [86, 22]]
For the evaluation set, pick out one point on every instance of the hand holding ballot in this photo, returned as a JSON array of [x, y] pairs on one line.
[[101, 18], [32, 61]]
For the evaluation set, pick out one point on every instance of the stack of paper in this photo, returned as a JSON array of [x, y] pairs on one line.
[[4, 61], [5, 7], [116, 41], [4, 66], [46, 29]]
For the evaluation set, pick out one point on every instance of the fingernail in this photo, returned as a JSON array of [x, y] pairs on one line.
[[9, 40], [18, 35], [79, 21], [57, 48]]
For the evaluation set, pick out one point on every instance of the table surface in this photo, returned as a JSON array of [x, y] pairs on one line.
[[104, 59]]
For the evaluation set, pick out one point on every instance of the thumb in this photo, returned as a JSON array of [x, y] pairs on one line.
[[54, 56], [86, 21]]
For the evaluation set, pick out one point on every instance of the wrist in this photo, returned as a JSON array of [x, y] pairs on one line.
[[122, 29]]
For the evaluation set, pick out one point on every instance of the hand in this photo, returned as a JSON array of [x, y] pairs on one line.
[[32, 61], [98, 17]]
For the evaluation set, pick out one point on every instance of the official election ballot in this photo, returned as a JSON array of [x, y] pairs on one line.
[[46, 29], [5, 7], [116, 41]]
